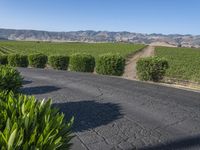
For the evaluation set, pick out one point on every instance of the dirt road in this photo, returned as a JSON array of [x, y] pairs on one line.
[[130, 69]]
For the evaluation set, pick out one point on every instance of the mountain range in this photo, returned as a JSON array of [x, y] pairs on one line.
[[100, 36]]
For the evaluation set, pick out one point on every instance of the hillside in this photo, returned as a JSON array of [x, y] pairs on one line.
[[100, 36]]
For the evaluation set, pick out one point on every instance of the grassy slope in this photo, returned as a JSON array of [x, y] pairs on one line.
[[184, 62], [68, 48]]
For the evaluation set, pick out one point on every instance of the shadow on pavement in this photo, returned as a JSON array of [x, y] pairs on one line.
[[184, 143], [89, 114], [39, 89], [24, 82]]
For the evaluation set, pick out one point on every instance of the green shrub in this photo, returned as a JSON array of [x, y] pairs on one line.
[[37, 60], [59, 62], [29, 124], [82, 63], [110, 64], [17, 60], [3, 59], [10, 79], [151, 68]]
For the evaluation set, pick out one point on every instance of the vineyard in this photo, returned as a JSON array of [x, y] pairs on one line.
[[5, 50], [184, 62], [49, 48]]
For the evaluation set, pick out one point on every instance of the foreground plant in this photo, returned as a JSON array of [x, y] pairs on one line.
[[10, 79], [28, 124]]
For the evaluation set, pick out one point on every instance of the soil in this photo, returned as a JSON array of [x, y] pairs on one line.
[[130, 68], [162, 44]]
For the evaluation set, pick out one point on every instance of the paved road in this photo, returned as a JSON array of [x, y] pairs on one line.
[[114, 114]]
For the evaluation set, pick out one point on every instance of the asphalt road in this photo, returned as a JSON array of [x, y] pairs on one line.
[[113, 113]]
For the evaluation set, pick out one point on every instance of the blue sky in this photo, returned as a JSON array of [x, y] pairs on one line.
[[145, 16]]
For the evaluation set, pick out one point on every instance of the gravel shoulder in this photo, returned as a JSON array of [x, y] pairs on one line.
[[118, 114]]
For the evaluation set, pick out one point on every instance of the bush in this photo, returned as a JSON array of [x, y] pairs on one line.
[[10, 79], [3, 59], [82, 63], [29, 124], [110, 64], [37, 60], [151, 68], [17, 60], [59, 62]]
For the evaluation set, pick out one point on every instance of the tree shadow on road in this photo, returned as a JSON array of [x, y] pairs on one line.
[[39, 89], [24, 82], [183, 143], [89, 114]]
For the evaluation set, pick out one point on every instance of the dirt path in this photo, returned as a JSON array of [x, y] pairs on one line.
[[130, 69]]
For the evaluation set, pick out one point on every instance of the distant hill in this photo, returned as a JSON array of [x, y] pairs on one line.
[[100, 36], [3, 39]]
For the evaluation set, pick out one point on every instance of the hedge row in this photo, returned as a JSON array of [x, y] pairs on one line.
[[59, 62], [17, 60], [38, 60], [151, 68], [108, 64], [82, 63]]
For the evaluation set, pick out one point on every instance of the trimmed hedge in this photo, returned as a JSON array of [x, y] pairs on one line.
[[59, 62], [151, 68], [82, 62], [30, 124], [3, 59], [10, 79], [110, 64], [38, 60], [17, 60]]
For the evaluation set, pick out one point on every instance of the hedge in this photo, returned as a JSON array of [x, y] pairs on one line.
[[110, 64], [17, 60], [10, 79], [59, 62], [3, 59], [38, 60], [30, 124], [82, 63], [151, 68]]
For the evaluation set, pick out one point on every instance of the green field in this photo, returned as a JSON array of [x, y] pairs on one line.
[[52, 48], [184, 62]]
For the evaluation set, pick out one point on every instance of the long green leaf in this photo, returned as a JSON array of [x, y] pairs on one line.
[[12, 139]]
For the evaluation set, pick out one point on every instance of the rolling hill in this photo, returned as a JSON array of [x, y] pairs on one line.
[[100, 36]]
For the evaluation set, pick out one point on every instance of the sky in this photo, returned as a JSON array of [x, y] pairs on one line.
[[143, 16]]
